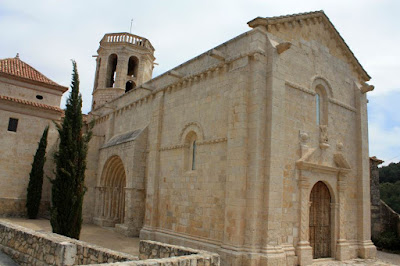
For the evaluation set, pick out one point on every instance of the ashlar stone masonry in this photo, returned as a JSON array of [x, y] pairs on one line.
[[256, 149]]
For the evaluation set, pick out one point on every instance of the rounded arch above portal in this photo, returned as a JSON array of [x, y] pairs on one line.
[[113, 173], [190, 129], [321, 84]]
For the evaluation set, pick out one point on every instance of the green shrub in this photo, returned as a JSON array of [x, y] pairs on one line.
[[387, 240]]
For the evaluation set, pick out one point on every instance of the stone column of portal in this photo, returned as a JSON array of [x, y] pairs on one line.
[[153, 175], [342, 246], [98, 202], [235, 185], [131, 223], [109, 201], [304, 250], [366, 247]]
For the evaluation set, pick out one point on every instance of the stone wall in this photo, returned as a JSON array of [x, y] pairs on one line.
[[383, 218], [389, 219], [156, 253], [376, 228], [16, 157], [29, 247]]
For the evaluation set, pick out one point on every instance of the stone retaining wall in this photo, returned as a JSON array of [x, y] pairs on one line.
[[160, 254], [383, 218], [29, 247], [389, 219]]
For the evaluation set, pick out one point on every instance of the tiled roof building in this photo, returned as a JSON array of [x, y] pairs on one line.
[[18, 68], [29, 101]]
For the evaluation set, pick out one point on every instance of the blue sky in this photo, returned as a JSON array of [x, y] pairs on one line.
[[48, 33]]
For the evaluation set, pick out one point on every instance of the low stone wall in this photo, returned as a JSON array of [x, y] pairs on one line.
[[390, 220], [29, 247], [383, 218], [160, 254]]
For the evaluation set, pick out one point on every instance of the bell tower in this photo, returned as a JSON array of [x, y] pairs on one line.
[[124, 61]]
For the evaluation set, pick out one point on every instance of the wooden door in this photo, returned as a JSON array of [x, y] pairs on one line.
[[320, 221]]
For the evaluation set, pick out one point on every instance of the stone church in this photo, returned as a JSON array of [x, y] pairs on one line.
[[256, 149]]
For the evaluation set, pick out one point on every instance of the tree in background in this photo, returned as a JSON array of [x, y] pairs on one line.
[[34, 192], [389, 179], [390, 194], [68, 186], [390, 173]]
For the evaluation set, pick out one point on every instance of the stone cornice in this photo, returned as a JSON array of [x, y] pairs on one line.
[[345, 106], [205, 142], [311, 92], [184, 81], [32, 104], [302, 165]]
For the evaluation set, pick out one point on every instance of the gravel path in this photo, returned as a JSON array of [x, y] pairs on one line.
[[389, 257]]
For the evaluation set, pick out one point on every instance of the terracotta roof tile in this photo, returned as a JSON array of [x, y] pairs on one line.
[[17, 67], [39, 105]]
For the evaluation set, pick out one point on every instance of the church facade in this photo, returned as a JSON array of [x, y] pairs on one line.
[[256, 149]]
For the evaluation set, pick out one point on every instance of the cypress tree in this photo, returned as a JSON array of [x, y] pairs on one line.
[[34, 192], [68, 186]]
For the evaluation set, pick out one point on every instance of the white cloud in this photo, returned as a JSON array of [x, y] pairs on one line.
[[384, 143]]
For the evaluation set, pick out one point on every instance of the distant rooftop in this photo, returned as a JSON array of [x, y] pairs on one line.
[[18, 68]]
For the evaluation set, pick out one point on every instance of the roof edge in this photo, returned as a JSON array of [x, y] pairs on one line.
[[266, 22], [61, 88], [33, 104]]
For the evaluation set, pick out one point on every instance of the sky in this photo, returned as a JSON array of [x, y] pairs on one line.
[[49, 33]]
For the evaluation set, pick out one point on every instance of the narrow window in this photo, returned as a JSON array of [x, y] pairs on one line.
[[194, 155], [318, 108], [39, 97], [13, 124]]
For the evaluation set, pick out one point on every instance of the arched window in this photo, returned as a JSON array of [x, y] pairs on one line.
[[321, 105], [111, 70], [194, 155], [190, 151], [318, 108], [129, 86], [133, 65]]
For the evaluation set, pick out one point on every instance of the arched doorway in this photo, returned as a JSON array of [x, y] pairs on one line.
[[320, 221], [113, 198]]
